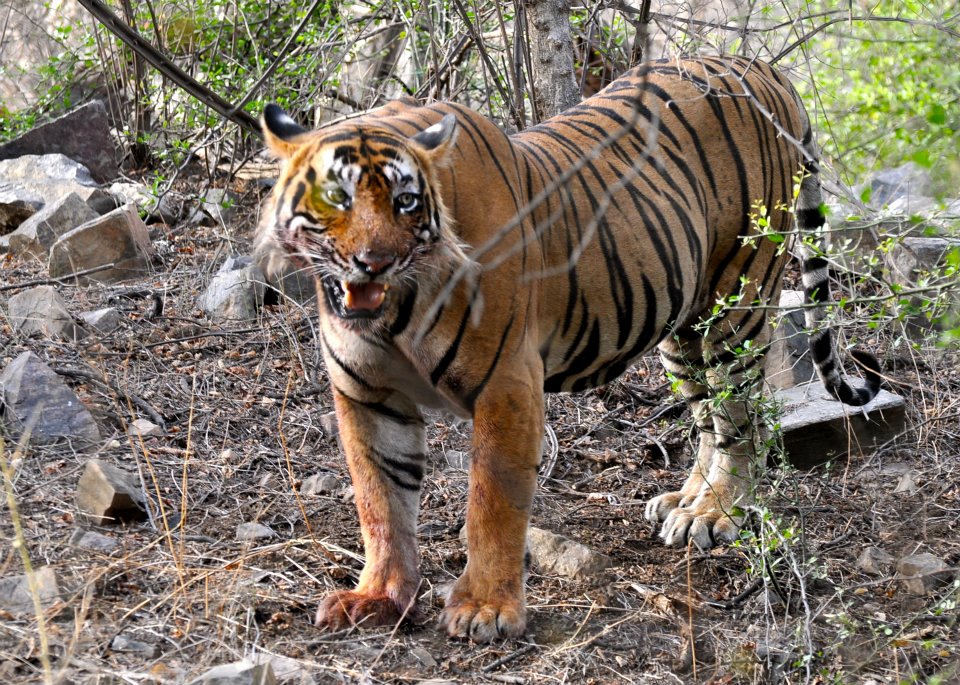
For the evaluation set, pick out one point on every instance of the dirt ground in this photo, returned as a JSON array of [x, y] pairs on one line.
[[244, 407]]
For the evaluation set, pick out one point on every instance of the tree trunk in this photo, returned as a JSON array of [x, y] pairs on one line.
[[551, 52]]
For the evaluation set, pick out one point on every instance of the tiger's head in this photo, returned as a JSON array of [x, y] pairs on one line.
[[358, 206]]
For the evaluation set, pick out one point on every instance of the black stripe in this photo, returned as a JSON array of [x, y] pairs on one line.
[[472, 396], [451, 352]]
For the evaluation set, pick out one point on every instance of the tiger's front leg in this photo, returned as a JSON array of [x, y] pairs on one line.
[[385, 448], [487, 601]]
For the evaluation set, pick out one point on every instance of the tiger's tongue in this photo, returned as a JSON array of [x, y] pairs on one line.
[[363, 295]]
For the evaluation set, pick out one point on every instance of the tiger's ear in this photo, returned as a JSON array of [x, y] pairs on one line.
[[280, 131], [437, 139]]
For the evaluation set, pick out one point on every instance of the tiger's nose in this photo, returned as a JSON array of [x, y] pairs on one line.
[[374, 262]]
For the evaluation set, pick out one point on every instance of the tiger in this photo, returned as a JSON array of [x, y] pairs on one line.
[[463, 269]]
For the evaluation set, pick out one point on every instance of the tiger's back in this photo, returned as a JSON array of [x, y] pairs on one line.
[[462, 268]]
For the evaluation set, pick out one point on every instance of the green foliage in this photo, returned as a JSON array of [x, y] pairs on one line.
[[889, 88]]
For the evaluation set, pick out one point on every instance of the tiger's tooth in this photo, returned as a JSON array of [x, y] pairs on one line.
[[347, 295], [386, 287]]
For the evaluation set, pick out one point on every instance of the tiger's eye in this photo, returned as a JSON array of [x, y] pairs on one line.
[[335, 196], [407, 201]]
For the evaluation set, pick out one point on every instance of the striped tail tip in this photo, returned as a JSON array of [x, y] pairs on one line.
[[857, 397]]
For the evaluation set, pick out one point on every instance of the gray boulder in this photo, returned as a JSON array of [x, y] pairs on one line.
[[557, 555], [906, 180], [35, 235], [106, 494], [119, 238], [16, 595], [17, 204], [42, 310], [235, 293], [35, 399], [82, 134]]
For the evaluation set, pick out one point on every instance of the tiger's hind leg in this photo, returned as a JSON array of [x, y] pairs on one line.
[[708, 509]]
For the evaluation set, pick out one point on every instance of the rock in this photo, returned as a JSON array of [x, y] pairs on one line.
[[284, 668], [817, 428], [122, 643], [907, 483], [119, 237], [144, 429], [923, 573], [328, 424], [913, 259], [49, 177], [874, 561], [17, 598], [788, 361], [235, 293], [423, 657], [103, 321], [284, 280], [133, 193], [557, 555], [93, 541], [254, 531], [457, 460], [17, 204], [912, 256], [35, 398], [906, 180], [913, 205], [40, 231], [83, 134], [170, 208], [238, 673], [42, 310], [855, 244], [218, 207], [105, 494], [320, 484]]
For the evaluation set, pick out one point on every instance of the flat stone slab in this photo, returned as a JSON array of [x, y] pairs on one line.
[[119, 237], [817, 428], [35, 398]]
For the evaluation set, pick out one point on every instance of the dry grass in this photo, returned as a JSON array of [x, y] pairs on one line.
[[242, 407]]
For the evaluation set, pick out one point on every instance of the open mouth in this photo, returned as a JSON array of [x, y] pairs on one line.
[[355, 300]]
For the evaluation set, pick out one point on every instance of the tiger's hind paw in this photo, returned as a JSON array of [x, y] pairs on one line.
[[704, 529], [348, 608], [660, 507]]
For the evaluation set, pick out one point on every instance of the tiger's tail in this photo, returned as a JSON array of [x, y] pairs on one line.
[[816, 285]]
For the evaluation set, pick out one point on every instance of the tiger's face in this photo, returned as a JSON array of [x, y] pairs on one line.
[[357, 207]]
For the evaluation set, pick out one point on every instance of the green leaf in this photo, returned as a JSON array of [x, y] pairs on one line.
[[937, 115], [866, 194], [775, 237], [922, 157]]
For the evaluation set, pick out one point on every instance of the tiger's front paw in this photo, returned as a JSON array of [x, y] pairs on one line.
[[483, 618], [348, 608]]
